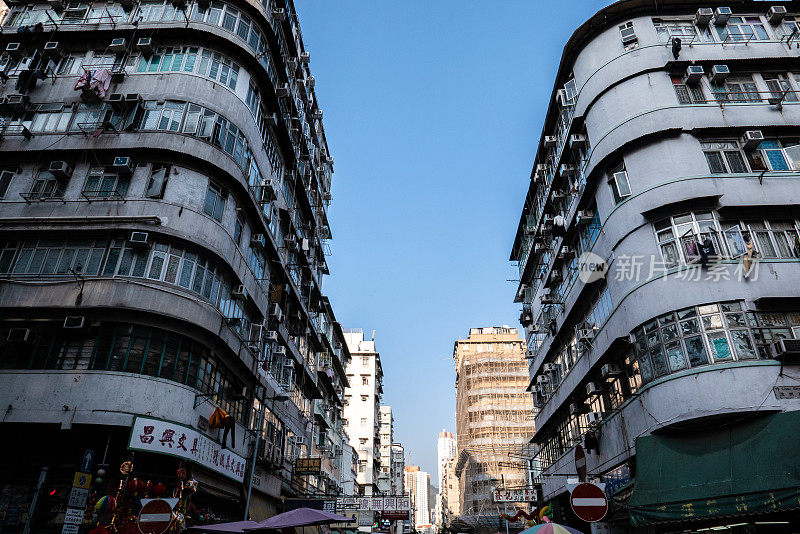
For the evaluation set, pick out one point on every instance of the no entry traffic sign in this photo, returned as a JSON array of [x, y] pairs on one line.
[[155, 517], [589, 502]]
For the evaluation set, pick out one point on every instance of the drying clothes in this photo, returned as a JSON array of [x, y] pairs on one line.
[[26, 81], [100, 82], [221, 419], [706, 250], [747, 259]]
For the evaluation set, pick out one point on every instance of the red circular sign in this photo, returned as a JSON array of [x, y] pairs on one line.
[[155, 517], [589, 502]]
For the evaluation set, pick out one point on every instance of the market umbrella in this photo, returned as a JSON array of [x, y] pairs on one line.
[[300, 517], [550, 528], [235, 526]]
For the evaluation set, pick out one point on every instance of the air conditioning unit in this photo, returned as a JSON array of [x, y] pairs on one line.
[[562, 98], [564, 252], [116, 101], [610, 370], [628, 35], [548, 220], [567, 169], [577, 141], [123, 165], [280, 350], [786, 350], [751, 139], [719, 73], [239, 292], [258, 240], [555, 277], [703, 16], [550, 367], [290, 241], [721, 16], [18, 335], [318, 114], [594, 418], [585, 217], [305, 58], [542, 379], [18, 103], [282, 90], [271, 335], [574, 409], [60, 169], [53, 50], [145, 46], [694, 73], [305, 245], [592, 390], [139, 239], [550, 141], [14, 50], [279, 14], [775, 14], [310, 82], [256, 333], [585, 334], [131, 99], [118, 45], [291, 64], [276, 312], [547, 297], [536, 388]]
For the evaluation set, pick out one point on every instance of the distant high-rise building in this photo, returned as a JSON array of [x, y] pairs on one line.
[[385, 439], [494, 418], [446, 451], [418, 488], [362, 404]]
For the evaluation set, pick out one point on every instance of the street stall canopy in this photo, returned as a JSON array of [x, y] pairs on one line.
[[744, 468], [299, 517]]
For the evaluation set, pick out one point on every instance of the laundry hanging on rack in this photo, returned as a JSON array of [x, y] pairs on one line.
[[95, 82]]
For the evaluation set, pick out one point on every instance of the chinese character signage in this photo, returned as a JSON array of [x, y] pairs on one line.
[[165, 437], [515, 495], [308, 466]]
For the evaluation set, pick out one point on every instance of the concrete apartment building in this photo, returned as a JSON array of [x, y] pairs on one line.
[[450, 507], [494, 419], [670, 152], [445, 451], [385, 439], [164, 184], [418, 487], [362, 401]]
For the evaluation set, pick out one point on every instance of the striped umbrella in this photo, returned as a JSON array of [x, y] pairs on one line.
[[551, 528]]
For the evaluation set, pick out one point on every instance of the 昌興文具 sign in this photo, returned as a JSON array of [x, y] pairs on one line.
[[174, 439]]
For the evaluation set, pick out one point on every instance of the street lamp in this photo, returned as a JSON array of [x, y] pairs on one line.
[[280, 397]]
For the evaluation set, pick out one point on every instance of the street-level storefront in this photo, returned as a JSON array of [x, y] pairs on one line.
[[93, 474], [745, 472]]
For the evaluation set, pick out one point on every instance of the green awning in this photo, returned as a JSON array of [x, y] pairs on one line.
[[748, 467]]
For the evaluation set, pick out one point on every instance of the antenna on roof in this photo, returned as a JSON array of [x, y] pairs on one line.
[[373, 335]]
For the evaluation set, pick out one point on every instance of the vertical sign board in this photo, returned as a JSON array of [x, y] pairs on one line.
[[589, 502], [580, 463]]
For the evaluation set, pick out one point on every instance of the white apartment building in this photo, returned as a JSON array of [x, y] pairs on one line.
[[445, 450], [362, 403], [385, 439]]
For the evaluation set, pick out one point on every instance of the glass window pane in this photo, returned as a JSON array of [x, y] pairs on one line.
[[676, 357], [743, 344], [712, 322], [720, 350], [696, 351], [659, 362], [735, 162], [715, 163], [689, 327]]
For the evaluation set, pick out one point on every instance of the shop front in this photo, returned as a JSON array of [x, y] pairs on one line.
[[723, 477]]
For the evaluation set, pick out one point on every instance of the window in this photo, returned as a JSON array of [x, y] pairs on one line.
[[685, 30], [776, 155], [743, 29], [620, 186], [219, 68], [362, 467], [780, 87], [46, 186], [158, 182], [628, 35], [363, 422], [679, 237], [5, 180], [771, 238], [362, 441], [688, 94], [51, 118], [215, 201], [364, 380], [102, 184], [789, 28], [238, 226], [736, 89], [164, 116], [364, 398], [724, 157], [693, 337], [169, 60]]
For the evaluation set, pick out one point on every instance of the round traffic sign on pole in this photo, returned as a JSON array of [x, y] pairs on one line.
[[580, 463], [155, 517], [589, 502]]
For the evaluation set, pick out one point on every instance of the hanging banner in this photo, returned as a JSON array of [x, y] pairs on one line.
[[174, 439]]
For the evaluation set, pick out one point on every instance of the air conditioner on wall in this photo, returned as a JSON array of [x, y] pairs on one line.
[[279, 14], [123, 165], [53, 50], [585, 216], [721, 16], [594, 418], [751, 139], [145, 46], [703, 16], [258, 241], [592, 389], [14, 50], [574, 409], [118, 45], [550, 367], [610, 370], [775, 14], [239, 292], [719, 73], [550, 141], [74, 322], [786, 350], [694, 73], [542, 379], [60, 169], [577, 141], [280, 350], [271, 336], [139, 239]]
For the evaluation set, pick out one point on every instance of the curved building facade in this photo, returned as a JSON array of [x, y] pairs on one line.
[[163, 235], [659, 254]]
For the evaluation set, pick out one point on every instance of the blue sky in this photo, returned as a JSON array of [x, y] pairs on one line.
[[432, 111]]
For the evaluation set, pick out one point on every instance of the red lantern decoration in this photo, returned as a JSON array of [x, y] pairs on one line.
[[148, 487], [159, 490], [135, 486]]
